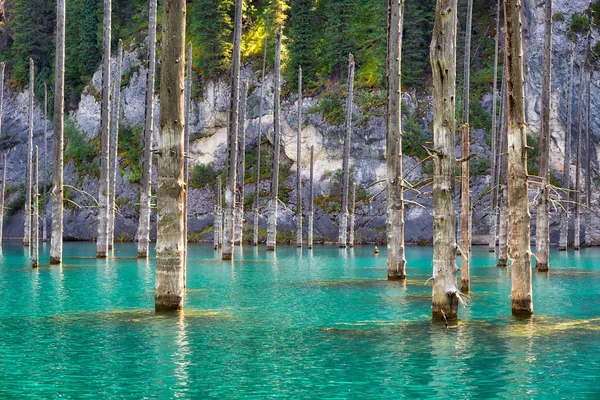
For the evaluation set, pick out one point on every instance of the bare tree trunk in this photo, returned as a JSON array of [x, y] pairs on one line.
[[170, 249], [352, 216], [143, 232], [564, 213], [114, 147], [186, 161], [465, 197], [58, 138], [494, 129], [587, 238], [343, 226], [272, 223], [103, 184], [239, 210], [542, 235], [2, 68], [232, 131], [35, 255], [258, 142], [217, 225], [518, 202], [577, 194], [311, 200], [503, 181], [299, 164], [443, 65], [29, 172], [396, 260], [45, 167], [3, 186]]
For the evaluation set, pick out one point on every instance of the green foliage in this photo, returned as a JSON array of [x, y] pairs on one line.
[[202, 175], [558, 17], [416, 37], [131, 152], [533, 153], [479, 118], [18, 203], [332, 108], [479, 166], [579, 23], [413, 138], [595, 13], [80, 150], [302, 45]]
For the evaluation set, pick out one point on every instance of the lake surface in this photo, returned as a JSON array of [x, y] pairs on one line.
[[299, 324]]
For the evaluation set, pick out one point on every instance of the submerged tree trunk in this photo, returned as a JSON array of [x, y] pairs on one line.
[[114, 147], [343, 223], [564, 212], [298, 164], [542, 234], [311, 200], [587, 238], [352, 217], [232, 131], [241, 165], [169, 287], [518, 202], [503, 181], [45, 178], [443, 66], [35, 255], [143, 233], [577, 194], [494, 129], [29, 172], [258, 143], [396, 261], [217, 224], [3, 189], [186, 161], [272, 223], [58, 138]]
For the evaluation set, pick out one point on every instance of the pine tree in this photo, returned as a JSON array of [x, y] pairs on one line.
[[303, 41]]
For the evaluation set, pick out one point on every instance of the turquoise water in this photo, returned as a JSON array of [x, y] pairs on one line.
[[296, 324]]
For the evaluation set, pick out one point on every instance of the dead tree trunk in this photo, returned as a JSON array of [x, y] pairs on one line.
[[114, 147], [518, 202], [587, 238], [298, 164], [169, 287], [443, 65], [2, 68], [396, 260], [239, 211], [494, 129], [343, 227], [29, 172], [258, 142], [143, 232], [465, 197], [503, 182], [564, 212], [272, 223], [217, 225], [103, 185], [58, 138], [232, 131], [311, 200], [542, 234], [577, 194], [45, 167], [3, 189], [352, 217], [35, 255], [186, 161]]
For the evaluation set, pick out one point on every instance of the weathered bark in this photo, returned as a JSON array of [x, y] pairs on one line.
[[58, 138], [518, 203], [114, 146], [503, 181], [443, 66], [103, 184], [3, 190], [35, 254], [241, 165], [45, 167], [564, 211], [258, 143], [494, 129], [186, 161], [232, 131], [311, 200], [169, 287], [396, 260], [29, 172], [542, 234], [299, 164], [587, 238], [2, 68], [352, 217], [143, 233], [218, 221], [343, 226], [272, 223], [577, 194]]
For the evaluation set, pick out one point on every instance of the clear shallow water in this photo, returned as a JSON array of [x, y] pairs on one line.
[[297, 324]]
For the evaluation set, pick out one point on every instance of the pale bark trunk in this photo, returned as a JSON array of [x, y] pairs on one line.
[[169, 287], [2, 68], [518, 202], [494, 202], [258, 143], [35, 228], [352, 217], [29, 172], [542, 234], [232, 131], [299, 164], [114, 147], [143, 232], [443, 65], [103, 184], [343, 226], [311, 200], [58, 138], [587, 238], [272, 223], [186, 161], [577, 194], [45, 166], [3, 191], [465, 197], [564, 213], [396, 261], [503, 182], [239, 211], [217, 225]]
